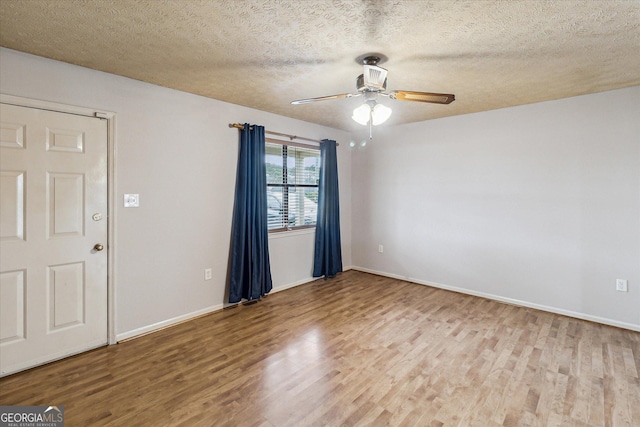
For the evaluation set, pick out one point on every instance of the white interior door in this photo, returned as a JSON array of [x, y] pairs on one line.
[[53, 213]]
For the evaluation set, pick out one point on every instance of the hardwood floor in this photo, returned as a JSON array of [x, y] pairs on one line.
[[356, 350]]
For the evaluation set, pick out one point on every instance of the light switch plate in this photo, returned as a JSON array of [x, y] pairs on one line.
[[131, 200]]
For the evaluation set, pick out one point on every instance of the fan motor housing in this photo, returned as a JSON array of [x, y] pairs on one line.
[[362, 88]]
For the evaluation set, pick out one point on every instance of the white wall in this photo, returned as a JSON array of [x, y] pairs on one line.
[[177, 151], [538, 204]]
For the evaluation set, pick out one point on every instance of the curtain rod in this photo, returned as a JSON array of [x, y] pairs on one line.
[[291, 137]]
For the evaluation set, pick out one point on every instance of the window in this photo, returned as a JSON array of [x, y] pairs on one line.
[[292, 186]]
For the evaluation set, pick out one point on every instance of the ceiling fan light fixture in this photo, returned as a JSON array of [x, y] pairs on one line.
[[375, 112], [380, 114], [361, 114]]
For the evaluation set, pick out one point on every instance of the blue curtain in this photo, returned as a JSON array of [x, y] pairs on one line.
[[328, 253], [250, 275]]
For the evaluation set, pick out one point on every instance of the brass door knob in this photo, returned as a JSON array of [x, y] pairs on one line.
[[98, 247]]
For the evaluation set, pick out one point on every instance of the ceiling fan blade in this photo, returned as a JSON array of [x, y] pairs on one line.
[[434, 98], [324, 98]]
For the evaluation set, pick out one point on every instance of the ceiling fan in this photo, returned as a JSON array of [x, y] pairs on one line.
[[373, 83]]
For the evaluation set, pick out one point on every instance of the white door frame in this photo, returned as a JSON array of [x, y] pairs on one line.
[[111, 185]]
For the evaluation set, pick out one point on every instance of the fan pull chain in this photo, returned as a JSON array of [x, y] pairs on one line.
[[371, 125]]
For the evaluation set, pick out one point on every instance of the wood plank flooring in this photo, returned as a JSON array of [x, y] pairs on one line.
[[355, 350]]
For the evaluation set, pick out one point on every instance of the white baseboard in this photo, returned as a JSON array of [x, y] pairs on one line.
[[169, 322], [292, 285], [179, 319], [556, 310], [301, 282]]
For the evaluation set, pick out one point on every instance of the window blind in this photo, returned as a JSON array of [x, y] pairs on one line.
[[292, 185]]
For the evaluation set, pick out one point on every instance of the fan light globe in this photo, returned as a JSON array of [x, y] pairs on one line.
[[361, 114], [380, 114]]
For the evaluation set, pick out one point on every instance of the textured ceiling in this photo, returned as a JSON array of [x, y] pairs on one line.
[[265, 53]]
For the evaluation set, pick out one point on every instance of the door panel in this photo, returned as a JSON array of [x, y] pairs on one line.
[[65, 196], [53, 283], [12, 208], [12, 306]]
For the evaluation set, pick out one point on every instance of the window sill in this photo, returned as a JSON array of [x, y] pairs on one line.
[[292, 233]]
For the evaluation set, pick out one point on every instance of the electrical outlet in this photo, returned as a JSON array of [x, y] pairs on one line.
[[131, 200], [380, 248], [621, 285], [208, 274]]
